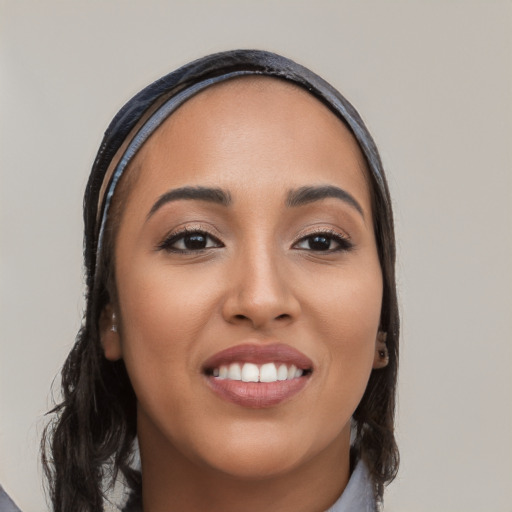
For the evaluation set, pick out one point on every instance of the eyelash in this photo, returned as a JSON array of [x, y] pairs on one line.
[[344, 243], [167, 244]]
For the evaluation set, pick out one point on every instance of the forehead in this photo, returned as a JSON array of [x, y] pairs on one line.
[[250, 124]]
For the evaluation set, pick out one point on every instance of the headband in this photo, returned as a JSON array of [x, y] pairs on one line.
[[114, 173], [147, 110]]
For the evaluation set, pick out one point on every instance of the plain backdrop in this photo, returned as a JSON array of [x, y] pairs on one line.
[[433, 80]]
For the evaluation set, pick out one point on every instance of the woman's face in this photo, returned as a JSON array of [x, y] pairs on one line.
[[246, 251]]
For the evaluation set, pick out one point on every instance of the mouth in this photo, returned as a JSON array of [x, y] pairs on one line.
[[250, 372], [257, 376]]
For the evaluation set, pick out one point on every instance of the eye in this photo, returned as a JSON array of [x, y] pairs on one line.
[[324, 242], [189, 241]]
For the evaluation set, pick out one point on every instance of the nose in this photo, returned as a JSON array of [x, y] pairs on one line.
[[260, 293]]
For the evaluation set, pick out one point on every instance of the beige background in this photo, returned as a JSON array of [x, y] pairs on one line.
[[433, 80]]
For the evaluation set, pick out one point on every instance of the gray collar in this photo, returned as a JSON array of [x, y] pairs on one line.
[[358, 495]]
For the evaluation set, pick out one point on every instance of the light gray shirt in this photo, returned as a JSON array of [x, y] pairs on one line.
[[358, 495], [6, 504]]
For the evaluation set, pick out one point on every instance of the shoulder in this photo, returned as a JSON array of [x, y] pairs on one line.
[[6, 504]]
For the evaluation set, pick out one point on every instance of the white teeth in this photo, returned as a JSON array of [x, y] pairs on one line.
[[282, 372], [250, 373], [235, 372], [268, 372]]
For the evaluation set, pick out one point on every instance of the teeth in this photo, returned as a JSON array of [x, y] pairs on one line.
[[249, 372], [223, 372], [268, 373], [235, 372], [282, 372]]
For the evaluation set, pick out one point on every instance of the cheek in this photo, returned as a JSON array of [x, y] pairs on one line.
[[164, 305], [163, 315], [347, 303], [347, 308]]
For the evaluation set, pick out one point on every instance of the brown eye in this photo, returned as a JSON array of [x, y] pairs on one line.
[[324, 242], [194, 242], [190, 241], [319, 243]]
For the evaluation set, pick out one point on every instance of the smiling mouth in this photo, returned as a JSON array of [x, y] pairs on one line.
[[258, 376], [250, 372]]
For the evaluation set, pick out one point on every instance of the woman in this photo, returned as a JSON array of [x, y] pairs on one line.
[[241, 325]]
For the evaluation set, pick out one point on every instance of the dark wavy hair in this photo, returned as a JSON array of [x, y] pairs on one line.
[[89, 442]]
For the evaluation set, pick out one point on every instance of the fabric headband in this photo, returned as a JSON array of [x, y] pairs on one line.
[[115, 172], [169, 100]]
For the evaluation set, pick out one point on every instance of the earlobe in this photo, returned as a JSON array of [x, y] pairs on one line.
[[109, 334], [381, 357]]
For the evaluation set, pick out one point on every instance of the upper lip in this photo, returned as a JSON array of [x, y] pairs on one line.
[[259, 354]]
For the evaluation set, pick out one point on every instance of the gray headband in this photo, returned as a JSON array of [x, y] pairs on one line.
[[327, 95], [143, 134]]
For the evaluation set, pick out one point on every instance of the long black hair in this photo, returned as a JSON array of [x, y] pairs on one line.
[[89, 442]]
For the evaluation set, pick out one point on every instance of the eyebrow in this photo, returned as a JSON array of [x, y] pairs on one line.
[[310, 194], [210, 195], [297, 197]]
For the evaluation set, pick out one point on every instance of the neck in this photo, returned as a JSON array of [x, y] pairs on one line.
[[173, 482]]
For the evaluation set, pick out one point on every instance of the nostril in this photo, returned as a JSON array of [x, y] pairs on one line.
[[240, 317], [283, 316]]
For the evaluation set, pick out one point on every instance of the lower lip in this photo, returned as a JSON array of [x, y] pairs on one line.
[[257, 395]]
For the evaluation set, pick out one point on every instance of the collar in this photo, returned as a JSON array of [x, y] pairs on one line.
[[358, 495]]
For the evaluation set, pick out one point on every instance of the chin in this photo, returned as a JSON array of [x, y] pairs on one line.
[[258, 464], [253, 456]]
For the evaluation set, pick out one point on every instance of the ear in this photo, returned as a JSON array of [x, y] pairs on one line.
[[109, 335], [381, 356]]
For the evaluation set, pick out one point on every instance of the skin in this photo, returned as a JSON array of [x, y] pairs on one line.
[[259, 282]]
